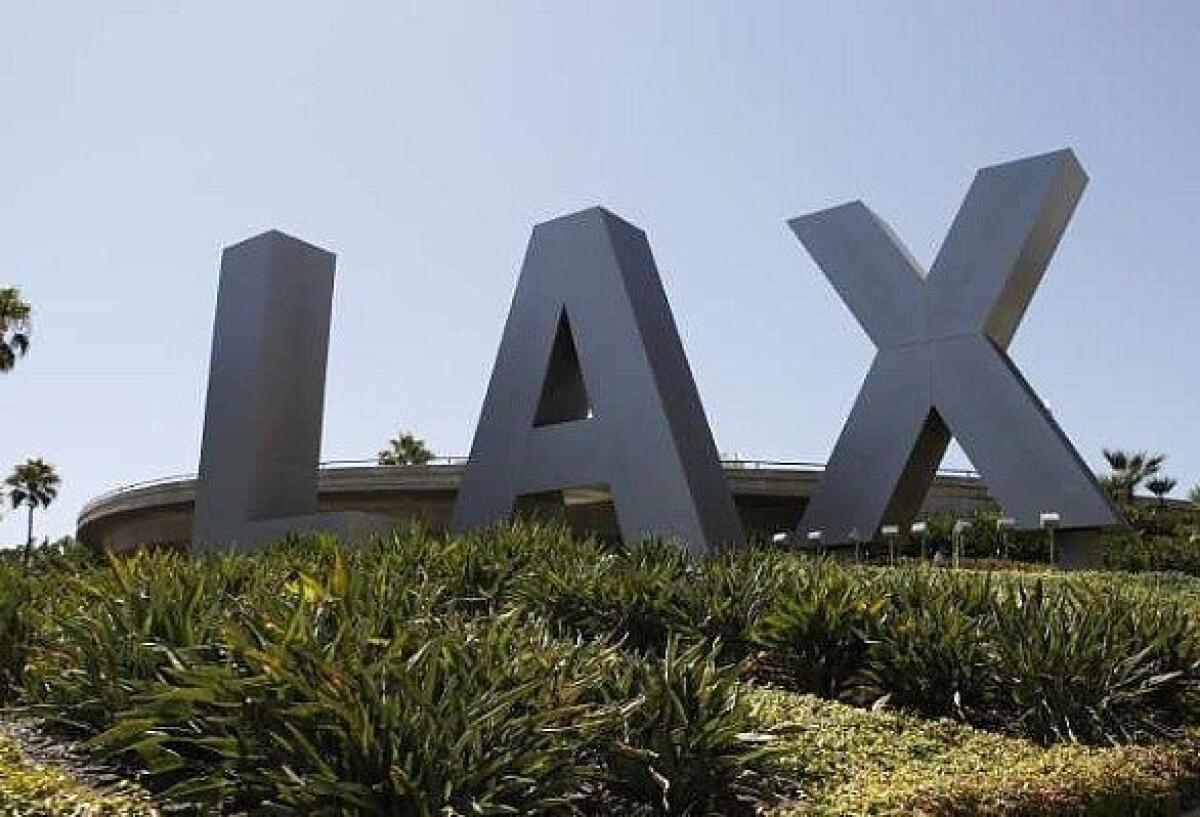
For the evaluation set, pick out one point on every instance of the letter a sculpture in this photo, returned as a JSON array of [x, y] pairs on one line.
[[942, 366], [591, 387]]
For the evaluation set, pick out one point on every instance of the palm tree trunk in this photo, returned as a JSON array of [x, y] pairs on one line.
[[29, 538]]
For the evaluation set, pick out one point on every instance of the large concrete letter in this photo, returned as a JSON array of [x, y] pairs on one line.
[[942, 365], [591, 387], [266, 397]]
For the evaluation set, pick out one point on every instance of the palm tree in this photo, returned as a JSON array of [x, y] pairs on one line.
[[1160, 487], [14, 327], [405, 449], [1131, 470], [34, 484]]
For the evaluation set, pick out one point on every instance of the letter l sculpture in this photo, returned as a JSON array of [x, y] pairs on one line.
[[266, 400]]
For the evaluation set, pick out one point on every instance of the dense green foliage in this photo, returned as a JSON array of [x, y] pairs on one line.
[[983, 539], [1139, 552], [399, 678], [520, 670], [405, 449], [15, 318], [1161, 536], [1159, 540], [1053, 658]]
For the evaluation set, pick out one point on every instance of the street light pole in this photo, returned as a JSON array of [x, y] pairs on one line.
[[1050, 521], [920, 530], [856, 539], [960, 528], [890, 532], [1004, 524]]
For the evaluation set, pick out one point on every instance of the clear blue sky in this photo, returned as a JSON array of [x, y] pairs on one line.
[[421, 142]]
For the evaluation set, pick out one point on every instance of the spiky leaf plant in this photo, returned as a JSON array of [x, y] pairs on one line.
[[818, 625], [688, 747]]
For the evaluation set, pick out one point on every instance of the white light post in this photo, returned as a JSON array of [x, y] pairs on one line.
[[814, 540], [890, 532], [956, 539], [1004, 524], [920, 530], [1050, 521]]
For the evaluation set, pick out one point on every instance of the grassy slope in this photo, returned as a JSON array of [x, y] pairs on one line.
[[852, 761]]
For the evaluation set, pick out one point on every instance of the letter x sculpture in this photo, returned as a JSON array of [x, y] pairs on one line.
[[942, 366]]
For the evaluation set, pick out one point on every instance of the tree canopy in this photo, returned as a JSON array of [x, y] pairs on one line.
[[405, 449], [15, 315]]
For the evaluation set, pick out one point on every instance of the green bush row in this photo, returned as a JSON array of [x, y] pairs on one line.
[[1142, 551], [1086, 658], [1053, 659], [521, 670], [1090, 658]]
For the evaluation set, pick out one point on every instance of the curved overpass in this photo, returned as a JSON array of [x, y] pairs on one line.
[[770, 496]]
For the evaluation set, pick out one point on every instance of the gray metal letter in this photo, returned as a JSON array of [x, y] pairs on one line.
[[942, 364], [591, 387], [266, 396]]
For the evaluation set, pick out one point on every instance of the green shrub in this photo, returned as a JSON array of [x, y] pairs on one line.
[[687, 746], [489, 719], [928, 658], [1136, 551], [15, 630], [105, 630], [726, 596], [1065, 659], [485, 717], [818, 625], [347, 690], [634, 597], [345, 693], [1080, 663]]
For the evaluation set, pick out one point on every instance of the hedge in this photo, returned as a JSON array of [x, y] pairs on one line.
[[29, 789], [849, 761]]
